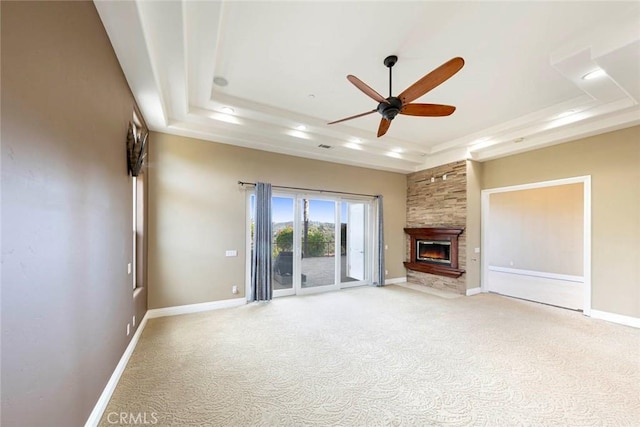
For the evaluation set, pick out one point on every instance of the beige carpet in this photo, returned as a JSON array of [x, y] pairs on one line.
[[384, 357]]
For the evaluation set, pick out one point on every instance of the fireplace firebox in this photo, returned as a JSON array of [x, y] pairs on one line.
[[434, 251], [438, 251]]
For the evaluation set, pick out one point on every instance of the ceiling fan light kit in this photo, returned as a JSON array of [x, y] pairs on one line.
[[390, 107]]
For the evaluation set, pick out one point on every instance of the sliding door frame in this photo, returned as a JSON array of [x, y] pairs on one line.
[[298, 196], [295, 274], [370, 238]]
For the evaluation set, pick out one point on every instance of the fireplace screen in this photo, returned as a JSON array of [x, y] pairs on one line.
[[434, 251]]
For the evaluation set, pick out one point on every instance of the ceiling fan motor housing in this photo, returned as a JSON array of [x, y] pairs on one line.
[[390, 60], [390, 110]]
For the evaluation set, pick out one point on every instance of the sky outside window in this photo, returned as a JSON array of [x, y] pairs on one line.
[[319, 210]]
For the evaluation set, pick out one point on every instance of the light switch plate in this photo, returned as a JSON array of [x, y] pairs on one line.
[[231, 253]]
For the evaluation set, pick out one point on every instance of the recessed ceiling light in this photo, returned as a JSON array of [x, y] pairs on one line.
[[229, 118], [220, 81], [301, 127], [481, 143], [566, 113], [394, 155], [353, 146], [356, 140], [298, 134], [594, 74], [397, 150], [227, 110]]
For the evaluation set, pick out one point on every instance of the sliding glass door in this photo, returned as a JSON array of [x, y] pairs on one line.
[[319, 243], [318, 259], [355, 243], [283, 247]]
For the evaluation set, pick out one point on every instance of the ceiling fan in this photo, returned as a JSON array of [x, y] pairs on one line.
[[390, 107]]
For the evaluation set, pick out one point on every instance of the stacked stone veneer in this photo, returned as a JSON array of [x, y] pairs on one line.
[[442, 203]]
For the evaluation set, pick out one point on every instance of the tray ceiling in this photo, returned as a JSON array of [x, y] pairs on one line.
[[285, 65]]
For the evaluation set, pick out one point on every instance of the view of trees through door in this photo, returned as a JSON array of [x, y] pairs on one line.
[[318, 243]]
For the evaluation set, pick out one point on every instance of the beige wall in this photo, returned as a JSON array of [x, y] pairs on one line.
[[197, 210], [472, 230], [539, 229], [613, 161], [66, 213]]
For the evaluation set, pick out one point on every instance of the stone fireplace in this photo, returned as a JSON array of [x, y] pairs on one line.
[[438, 198], [434, 251]]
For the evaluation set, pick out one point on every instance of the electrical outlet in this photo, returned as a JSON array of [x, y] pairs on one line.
[[386, 272], [128, 328], [231, 253], [134, 321], [234, 289]]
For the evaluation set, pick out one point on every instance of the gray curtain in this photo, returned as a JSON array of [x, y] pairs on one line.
[[379, 275], [262, 235]]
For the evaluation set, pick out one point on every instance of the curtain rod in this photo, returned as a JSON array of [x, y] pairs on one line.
[[311, 189]]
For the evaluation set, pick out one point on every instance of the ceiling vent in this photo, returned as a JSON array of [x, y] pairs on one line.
[[324, 146]]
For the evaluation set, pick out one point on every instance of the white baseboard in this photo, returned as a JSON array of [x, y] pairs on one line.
[[103, 401], [395, 280], [616, 318], [195, 308], [474, 291]]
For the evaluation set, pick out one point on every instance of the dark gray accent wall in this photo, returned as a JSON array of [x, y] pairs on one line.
[[66, 213]]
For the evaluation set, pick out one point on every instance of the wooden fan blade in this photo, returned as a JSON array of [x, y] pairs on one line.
[[366, 89], [352, 117], [384, 126], [427, 110], [431, 80]]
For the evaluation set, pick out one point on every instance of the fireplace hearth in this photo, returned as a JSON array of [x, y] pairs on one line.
[[434, 251]]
